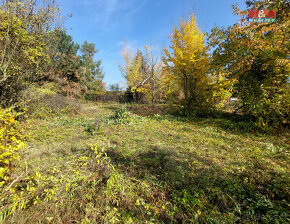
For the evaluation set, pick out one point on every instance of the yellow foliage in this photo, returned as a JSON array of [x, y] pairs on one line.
[[131, 67], [139, 89], [187, 65], [24, 50], [133, 74], [10, 143]]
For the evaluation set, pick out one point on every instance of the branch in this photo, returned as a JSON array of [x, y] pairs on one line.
[[13, 182]]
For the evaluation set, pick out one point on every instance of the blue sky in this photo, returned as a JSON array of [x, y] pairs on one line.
[[140, 22]]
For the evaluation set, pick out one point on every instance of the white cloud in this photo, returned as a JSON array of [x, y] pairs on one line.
[[111, 13], [110, 8], [105, 15]]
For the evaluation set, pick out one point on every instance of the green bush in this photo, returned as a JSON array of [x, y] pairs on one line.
[[120, 116]]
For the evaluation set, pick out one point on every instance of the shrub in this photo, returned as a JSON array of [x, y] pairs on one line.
[[43, 101], [10, 143], [120, 116]]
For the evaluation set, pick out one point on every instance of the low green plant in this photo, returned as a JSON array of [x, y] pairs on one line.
[[147, 169], [120, 116], [89, 127]]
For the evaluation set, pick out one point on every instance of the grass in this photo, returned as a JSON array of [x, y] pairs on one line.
[[149, 169]]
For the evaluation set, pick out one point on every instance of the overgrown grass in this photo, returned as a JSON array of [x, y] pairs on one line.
[[149, 169]]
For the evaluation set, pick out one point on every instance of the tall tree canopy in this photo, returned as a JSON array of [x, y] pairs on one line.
[[23, 28], [71, 66], [142, 72], [65, 67], [257, 57], [187, 63], [94, 74]]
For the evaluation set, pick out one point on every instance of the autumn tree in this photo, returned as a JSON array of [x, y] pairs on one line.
[[133, 70], [187, 64], [152, 80], [23, 27], [134, 67], [142, 72], [129, 67], [257, 56]]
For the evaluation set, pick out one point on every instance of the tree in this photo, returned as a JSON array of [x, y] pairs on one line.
[[23, 27], [128, 69], [94, 74], [65, 67], [115, 87], [133, 70], [142, 73], [188, 64], [152, 79], [257, 57]]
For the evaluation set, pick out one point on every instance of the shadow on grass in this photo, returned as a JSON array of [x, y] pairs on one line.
[[197, 183], [110, 105], [113, 108], [147, 110], [237, 124], [228, 121]]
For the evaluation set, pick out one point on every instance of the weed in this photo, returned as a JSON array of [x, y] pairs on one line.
[[154, 169]]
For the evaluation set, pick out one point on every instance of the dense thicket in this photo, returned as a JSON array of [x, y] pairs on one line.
[[256, 55], [23, 28], [34, 49]]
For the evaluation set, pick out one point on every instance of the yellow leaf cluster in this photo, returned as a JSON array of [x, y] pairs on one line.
[[10, 143]]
